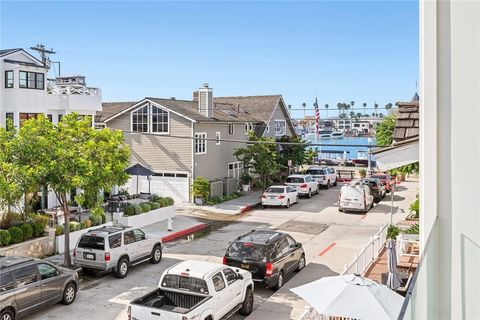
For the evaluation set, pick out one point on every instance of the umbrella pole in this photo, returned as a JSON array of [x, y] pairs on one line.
[[137, 188]]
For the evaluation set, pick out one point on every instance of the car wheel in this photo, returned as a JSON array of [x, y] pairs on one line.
[[301, 263], [335, 183], [69, 294], [122, 268], [7, 315], [247, 304], [328, 184], [264, 206], [156, 255], [340, 210], [309, 193], [279, 281], [296, 199], [288, 204]]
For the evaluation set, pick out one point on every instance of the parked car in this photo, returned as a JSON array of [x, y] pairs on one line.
[[196, 290], [116, 248], [303, 184], [279, 196], [325, 176], [385, 179], [28, 284], [355, 196], [269, 255], [377, 189]]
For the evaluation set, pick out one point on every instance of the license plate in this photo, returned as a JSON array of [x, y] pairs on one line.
[[89, 256], [245, 266], [272, 197]]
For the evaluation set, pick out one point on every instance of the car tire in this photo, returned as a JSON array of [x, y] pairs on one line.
[[301, 263], [264, 206], [335, 183], [328, 184], [247, 304], [7, 315], [309, 193], [280, 281], [288, 204], [340, 210], [69, 294], [156, 254], [122, 268]]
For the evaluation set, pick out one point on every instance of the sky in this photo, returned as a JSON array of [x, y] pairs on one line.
[[337, 51]]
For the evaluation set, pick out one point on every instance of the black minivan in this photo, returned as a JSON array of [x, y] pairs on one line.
[[268, 254]]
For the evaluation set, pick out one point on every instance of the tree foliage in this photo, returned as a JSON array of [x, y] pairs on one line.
[[384, 131], [296, 152]]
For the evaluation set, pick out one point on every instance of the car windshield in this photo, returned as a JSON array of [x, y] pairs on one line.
[[246, 250], [294, 180], [275, 190], [92, 242], [185, 283], [315, 171]]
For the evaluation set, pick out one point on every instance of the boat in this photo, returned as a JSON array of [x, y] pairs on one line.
[[325, 134], [362, 160], [337, 135]]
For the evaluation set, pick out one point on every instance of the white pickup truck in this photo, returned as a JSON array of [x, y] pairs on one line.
[[196, 290]]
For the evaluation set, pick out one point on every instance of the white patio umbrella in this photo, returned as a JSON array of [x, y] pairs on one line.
[[393, 281], [351, 296]]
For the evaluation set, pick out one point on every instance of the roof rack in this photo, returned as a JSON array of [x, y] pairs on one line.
[[245, 234], [273, 236]]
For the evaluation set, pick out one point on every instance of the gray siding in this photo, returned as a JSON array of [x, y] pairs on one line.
[[279, 114], [161, 152], [214, 164]]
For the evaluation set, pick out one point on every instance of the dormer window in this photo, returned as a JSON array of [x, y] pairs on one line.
[[150, 119]]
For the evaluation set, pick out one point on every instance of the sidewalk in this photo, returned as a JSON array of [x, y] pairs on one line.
[[236, 206]]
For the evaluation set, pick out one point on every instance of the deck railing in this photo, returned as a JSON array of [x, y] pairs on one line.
[[368, 254], [73, 90]]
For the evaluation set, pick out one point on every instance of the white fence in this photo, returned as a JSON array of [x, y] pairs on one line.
[[368, 254]]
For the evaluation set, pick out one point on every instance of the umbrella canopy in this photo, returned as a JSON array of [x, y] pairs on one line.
[[351, 296], [139, 170], [393, 281]]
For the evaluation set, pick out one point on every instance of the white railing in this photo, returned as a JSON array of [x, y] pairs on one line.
[[73, 90], [368, 254]]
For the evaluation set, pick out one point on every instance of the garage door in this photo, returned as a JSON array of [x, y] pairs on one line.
[[172, 186]]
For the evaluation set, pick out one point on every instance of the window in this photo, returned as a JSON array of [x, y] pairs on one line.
[[50, 117], [92, 242], [280, 127], [230, 128], [46, 271], [115, 240], [218, 282], [139, 235], [281, 248], [9, 79], [31, 80], [27, 116], [188, 283], [25, 276], [128, 237], [230, 275], [159, 120], [291, 243], [60, 116], [248, 127], [9, 124], [6, 282], [217, 138], [140, 120], [200, 143], [267, 129]]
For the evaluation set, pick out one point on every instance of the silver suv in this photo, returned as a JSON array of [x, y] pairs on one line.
[[116, 248], [28, 284]]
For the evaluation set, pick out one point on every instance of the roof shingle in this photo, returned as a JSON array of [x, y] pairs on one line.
[[407, 124]]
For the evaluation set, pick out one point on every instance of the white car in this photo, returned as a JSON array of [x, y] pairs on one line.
[[196, 290], [325, 176], [303, 183], [355, 196], [279, 196]]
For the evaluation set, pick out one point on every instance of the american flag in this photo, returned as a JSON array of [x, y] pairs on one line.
[[317, 116]]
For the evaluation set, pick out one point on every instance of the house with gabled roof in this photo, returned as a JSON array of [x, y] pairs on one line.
[[184, 139]]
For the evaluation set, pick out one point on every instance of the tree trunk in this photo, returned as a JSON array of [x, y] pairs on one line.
[[66, 230]]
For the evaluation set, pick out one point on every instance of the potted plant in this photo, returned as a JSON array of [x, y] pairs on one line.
[[201, 190], [245, 180], [363, 173]]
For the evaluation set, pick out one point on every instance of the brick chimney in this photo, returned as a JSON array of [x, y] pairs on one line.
[[204, 96]]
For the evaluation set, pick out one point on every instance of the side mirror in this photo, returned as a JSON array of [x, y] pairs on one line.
[[299, 245], [239, 276]]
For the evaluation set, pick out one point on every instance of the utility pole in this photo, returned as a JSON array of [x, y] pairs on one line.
[[43, 52]]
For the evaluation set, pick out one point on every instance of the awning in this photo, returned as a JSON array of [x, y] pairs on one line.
[[398, 155]]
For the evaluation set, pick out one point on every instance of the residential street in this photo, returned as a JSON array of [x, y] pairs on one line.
[[330, 239]]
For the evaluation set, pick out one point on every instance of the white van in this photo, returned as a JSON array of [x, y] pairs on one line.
[[355, 196]]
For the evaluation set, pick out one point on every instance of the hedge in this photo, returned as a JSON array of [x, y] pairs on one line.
[[38, 229], [27, 231], [154, 205], [129, 211], [16, 233], [138, 209], [145, 207], [5, 238]]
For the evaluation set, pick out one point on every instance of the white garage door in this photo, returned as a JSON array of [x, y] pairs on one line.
[[176, 187]]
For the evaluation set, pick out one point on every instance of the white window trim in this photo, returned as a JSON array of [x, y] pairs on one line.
[[204, 138], [218, 137], [284, 127], [149, 119]]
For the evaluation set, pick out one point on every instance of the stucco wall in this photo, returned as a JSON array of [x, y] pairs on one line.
[[38, 248]]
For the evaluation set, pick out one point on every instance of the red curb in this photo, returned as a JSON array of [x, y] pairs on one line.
[[245, 209], [185, 232], [330, 246]]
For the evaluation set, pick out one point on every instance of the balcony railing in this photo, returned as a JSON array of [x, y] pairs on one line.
[[73, 90]]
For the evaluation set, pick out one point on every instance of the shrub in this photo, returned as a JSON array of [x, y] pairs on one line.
[[201, 188], [137, 209], [393, 232], [58, 230], [10, 219], [171, 202], [103, 217], [82, 225], [154, 205], [38, 229], [129, 211], [73, 226], [96, 220], [164, 202], [16, 233], [88, 223], [40, 218], [155, 197], [5, 238], [413, 229], [158, 199], [145, 207], [27, 231], [415, 207], [363, 173]]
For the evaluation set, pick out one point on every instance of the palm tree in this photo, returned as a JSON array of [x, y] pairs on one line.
[[352, 114], [364, 107], [304, 105], [388, 106], [339, 106], [352, 103], [326, 108], [376, 107], [358, 115]]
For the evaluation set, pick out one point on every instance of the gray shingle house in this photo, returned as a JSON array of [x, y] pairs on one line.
[[183, 139]]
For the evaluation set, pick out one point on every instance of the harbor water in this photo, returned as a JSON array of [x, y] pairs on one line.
[[353, 143]]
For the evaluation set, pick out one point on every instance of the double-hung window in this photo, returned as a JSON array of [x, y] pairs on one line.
[[150, 118], [280, 127], [9, 79], [200, 143], [31, 80]]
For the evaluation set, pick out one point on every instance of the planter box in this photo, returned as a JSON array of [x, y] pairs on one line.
[[37, 248], [74, 236], [144, 219]]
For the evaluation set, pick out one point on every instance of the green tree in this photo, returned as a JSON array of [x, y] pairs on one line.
[[384, 131], [73, 155], [364, 107], [352, 114], [296, 152], [388, 106], [261, 156], [304, 105], [326, 108]]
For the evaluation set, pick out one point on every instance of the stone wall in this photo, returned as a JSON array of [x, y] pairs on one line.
[[38, 248]]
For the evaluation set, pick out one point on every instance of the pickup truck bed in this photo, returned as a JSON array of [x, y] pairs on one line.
[[171, 300]]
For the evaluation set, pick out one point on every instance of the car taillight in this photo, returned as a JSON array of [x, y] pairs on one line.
[[264, 196], [224, 260], [74, 253], [281, 197], [303, 186], [129, 312], [268, 269], [107, 256]]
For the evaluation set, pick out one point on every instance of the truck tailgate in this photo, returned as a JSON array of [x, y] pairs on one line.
[[148, 313]]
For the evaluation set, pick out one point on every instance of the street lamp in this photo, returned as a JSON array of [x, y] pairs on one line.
[[369, 154]]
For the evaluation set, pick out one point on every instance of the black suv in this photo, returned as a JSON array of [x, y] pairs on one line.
[[268, 254]]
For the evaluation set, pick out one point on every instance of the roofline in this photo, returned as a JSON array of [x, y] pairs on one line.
[[143, 101], [28, 54], [397, 145], [289, 118]]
